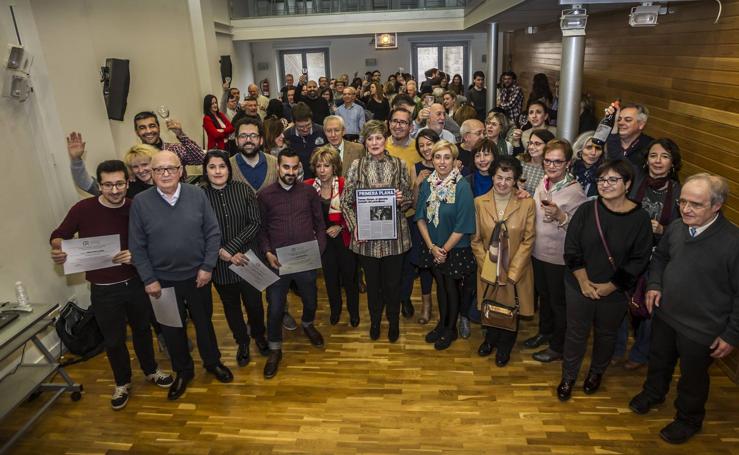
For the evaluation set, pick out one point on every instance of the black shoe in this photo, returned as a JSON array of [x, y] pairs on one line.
[[641, 404], [485, 349], [445, 340], [536, 341], [406, 308], [564, 389], [678, 432], [262, 346], [502, 358], [315, 337], [273, 361], [354, 320], [178, 387], [592, 383], [434, 334], [374, 332], [221, 372], [334, 318], [393, 333], [242, 355], [546, 356]]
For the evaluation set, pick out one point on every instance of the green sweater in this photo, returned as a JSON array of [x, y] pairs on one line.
[[699, 280]]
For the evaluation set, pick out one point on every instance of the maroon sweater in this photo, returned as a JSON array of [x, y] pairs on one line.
[[90, 218]]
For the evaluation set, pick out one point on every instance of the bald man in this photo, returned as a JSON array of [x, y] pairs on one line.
[[472, 132], [174, 240], [262, 101]]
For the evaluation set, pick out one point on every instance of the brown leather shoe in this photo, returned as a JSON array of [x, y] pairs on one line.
[[313, 335], [631, 365]]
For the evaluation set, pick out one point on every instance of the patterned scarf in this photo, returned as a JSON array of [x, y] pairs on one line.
[[335, 205], [441, 191], [554, 187]]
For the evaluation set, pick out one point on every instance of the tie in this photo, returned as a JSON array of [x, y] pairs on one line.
[[693, 231]]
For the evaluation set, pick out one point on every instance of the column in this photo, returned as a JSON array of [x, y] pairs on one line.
[[492, 69], [570, 80]]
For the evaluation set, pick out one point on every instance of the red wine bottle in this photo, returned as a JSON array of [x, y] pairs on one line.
[[606, 125]]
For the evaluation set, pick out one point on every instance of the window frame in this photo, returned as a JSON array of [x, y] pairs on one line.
[[440, 45], [304, 59]]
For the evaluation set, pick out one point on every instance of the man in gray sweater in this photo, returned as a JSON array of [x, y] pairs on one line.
[[174, 240], [693, 294]]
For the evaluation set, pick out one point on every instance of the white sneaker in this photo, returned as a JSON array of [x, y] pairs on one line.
[[160, 378], [119, 400]]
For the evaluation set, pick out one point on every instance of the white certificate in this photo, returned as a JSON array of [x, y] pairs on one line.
[[376, 214], [255, 272], [91, 253], [299, 257], [165, 308]]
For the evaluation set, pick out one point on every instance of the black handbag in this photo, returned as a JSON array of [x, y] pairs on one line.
[[79, 332], [497, 314]]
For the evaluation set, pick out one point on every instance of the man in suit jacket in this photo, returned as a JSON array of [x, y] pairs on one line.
[[333, 128]]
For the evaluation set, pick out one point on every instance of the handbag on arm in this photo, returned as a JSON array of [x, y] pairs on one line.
[[497, 314], [492, 312]]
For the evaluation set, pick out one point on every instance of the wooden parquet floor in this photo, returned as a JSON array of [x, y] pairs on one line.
[[362, 397]]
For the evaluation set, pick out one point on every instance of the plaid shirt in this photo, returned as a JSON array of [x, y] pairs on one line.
[[533, 173], [188, 151], [511, 101]]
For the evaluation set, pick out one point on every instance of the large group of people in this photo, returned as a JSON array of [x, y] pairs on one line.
[[491, 207]]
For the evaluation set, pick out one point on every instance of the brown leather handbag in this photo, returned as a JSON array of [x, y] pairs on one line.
[[497, 314]]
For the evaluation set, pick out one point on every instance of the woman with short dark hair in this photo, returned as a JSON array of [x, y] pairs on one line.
[[607, 247]]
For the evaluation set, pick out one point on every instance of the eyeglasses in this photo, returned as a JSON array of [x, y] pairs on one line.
[[555, 163], [608, 180], [117, 185], [248, 135], [166, 170], [305, 126], [400, 122], [535, 144], [690, 204]]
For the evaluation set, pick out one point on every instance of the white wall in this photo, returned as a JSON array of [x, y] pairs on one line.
[[348, 54]]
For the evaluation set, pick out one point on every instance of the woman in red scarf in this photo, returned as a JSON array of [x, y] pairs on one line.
[[339, 262]]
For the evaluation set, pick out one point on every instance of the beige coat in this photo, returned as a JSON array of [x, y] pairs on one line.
[[520, 221], [352, 151]]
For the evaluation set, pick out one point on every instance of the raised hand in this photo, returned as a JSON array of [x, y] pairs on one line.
[[75, 145]]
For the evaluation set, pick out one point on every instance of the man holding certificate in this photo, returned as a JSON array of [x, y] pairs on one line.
[[292, 239], [174, 241], [117, 293]]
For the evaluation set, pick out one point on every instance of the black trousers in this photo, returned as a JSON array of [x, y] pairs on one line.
[[340, 270], [114, 305], [604, 316], [198, 303], [233, 296], [667, 345], [453, 297], [549, 281], [383, 277], [502, 340]]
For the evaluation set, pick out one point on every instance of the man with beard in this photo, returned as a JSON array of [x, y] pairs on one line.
[[510, 99], [291, 213], [305, 136], [318, 105], [477, 94], [262, 101], [251, 164], [436, 120]]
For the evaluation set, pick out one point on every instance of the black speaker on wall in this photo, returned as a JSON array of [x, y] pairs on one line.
[[226, 68], [116, 79]]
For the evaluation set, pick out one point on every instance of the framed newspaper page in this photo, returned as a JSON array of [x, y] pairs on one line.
[[377, 214]]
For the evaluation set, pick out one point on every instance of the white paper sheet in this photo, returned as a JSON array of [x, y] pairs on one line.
[[255, 272], [165, 308], [299, 257], [376, 214], [91, 253]]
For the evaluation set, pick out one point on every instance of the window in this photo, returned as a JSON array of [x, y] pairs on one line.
[[451, 58], [297, 61]]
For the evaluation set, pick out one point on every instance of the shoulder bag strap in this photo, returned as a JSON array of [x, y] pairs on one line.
[[602, 237]]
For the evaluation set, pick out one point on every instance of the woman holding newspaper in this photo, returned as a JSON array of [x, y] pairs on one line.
[[376, 193]]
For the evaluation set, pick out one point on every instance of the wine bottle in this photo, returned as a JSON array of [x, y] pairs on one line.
[[606, 125]]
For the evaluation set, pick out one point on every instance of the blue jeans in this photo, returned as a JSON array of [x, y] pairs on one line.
[[640, 349], [277, 298]]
